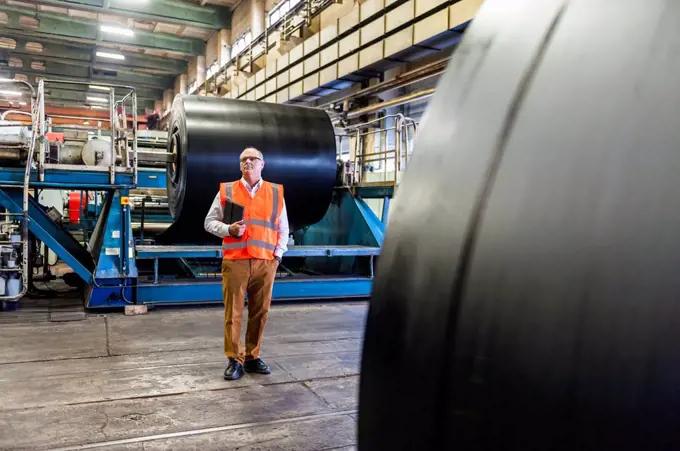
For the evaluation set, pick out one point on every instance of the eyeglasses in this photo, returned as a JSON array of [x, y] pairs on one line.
[[244, 159]]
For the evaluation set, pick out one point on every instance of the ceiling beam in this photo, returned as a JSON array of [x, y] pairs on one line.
[[82, 72], [66, 92], [80, 98], [79, 54], [71, 73], [170, 11], [53, 25]]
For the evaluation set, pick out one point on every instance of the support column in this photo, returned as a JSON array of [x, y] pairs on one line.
[[257, 18], [181, 84]]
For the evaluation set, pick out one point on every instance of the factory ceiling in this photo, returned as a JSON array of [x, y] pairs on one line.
[[143, 43]]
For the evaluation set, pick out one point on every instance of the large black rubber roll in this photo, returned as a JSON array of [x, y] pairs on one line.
[[208, 134], [528, 292]]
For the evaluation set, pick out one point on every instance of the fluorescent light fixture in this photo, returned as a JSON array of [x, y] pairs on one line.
[[117, 30], [97, 99], [100, 88], [114, 56], [22, 103], [98, 107], [10, 93]]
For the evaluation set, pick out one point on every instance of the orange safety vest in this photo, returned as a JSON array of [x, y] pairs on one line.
[[261, 217]]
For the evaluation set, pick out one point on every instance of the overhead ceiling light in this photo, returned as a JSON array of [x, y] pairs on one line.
[[100, 88], [10, 93], [117, 30], [97, 99], [22, 103], [98, 107], [115, 56]]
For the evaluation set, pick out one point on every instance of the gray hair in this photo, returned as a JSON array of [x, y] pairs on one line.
[[256, 150]]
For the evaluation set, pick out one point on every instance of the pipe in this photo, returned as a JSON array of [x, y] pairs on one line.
[[402, 80], [59, 116], [391, 103]]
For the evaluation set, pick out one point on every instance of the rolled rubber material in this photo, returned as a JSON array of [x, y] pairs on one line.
[[209, 133], [528, 291]]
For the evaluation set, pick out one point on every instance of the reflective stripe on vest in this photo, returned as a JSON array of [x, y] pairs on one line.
[[245, 244], [260, 222]]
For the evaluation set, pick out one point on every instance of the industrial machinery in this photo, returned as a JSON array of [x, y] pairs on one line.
[[141, 198]]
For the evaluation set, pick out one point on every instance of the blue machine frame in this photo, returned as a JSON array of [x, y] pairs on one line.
[[337, 254]]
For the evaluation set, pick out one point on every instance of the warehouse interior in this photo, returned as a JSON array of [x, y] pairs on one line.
[[112, 313], [339, 225]]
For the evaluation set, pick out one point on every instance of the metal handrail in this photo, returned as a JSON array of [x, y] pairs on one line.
[[404, 129]]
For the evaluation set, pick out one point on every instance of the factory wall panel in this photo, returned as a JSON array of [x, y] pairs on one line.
[[311, 82], [250, 95], [295, 54], [270, 69], [296, 72], [328, 33], [328, 74], [348, 44], [423, 6], [311, 63], [399, 41], [329, 55], [371, 54], [282, 79], [295, 90], [431, 26], [311, 44], [282, 96], [270, 86], [250, 83], [349, 20], [330, 15], [370, 8], [348, 65], [259, 92], [463, 11], [283, 62], [260, 76], [400, 15], [372, 30]]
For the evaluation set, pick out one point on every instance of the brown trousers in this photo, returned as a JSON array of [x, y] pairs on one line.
[[255, 277]]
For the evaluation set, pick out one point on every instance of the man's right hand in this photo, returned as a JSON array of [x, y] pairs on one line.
[[237, 229]]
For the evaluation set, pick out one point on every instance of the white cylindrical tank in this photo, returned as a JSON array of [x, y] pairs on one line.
[[97, 152]]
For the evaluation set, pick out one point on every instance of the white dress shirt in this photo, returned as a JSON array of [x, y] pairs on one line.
[[214, 220]]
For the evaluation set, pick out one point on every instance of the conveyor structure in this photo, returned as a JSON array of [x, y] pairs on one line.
[[121, 262]]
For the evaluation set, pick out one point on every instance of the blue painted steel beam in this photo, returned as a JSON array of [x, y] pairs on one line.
[[291, 289], [66, 179], [216, 251], [54, 236]]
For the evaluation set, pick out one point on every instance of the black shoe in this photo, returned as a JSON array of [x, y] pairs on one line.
[[256, 366], [234, 371]]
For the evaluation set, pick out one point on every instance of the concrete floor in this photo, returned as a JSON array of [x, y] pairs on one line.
[[155, 381]]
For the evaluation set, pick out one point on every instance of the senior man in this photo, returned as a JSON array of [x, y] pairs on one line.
[[251, 253]]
